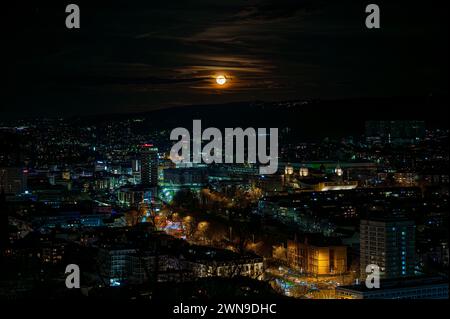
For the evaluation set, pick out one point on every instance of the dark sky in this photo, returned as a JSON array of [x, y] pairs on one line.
[[141, 55]]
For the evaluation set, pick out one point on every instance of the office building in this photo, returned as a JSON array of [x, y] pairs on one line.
[[320, 258], [212, 262], [149, 165], [389, 243]]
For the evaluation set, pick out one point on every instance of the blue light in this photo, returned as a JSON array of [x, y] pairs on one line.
[[114, 282]]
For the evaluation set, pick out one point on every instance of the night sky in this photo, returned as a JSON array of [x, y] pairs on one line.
[[133, 56]]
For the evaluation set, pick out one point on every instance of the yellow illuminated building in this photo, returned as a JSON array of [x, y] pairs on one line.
[[335, 186], [317, 259], [66, 175]]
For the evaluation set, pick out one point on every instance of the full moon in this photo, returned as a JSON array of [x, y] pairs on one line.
[[221, 80]]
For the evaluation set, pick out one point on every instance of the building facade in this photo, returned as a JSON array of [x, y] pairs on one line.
[[389, 243], [149, 165], [415, 288], [317, 259]]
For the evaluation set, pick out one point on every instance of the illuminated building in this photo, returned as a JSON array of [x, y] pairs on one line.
[[406, 178], [134, 196], [100, 166], [122, 263], [317, 259], [211, 262], [329, 167], [186, 177], [65, 175], [226, 172], [136, 171], [338, 170], [288, 170], [132, 262], [176, 179], [409, 288], [52, 251], [135, 165], [94, 216], [150, 266], [113, 261], [335, 186], [44, 248], [323, 185], [102, 183], [149, 165], [304, 171], [63, 181], [389, 243], [288, 177]]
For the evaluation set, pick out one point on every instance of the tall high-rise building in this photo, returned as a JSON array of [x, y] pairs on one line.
[[135, 166], [149, 165], [389, 243]]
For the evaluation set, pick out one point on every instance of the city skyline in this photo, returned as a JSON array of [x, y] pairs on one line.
[[207, 158]]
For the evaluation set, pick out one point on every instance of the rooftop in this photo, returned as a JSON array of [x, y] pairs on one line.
[[398, 283]]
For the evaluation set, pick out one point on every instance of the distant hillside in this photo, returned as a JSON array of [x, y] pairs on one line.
[[308, 118]]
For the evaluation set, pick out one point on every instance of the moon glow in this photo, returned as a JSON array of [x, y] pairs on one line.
[[221, 80]]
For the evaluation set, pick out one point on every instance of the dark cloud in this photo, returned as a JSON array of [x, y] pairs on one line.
[[147, 81]]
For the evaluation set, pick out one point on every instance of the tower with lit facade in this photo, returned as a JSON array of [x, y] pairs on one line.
[[389, 243], [149, 165]]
